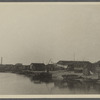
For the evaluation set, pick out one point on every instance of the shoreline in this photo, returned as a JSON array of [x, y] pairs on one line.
[[56, 75]]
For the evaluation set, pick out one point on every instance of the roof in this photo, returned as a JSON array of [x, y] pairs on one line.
[[38, 64], [50, 65], [72, 62]]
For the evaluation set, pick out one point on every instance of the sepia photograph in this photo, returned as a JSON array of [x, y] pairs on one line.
[[49, 48]]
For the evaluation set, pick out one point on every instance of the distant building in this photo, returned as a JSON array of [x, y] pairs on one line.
[[6, 67], [37, 66], [76, 66], [18, 66]]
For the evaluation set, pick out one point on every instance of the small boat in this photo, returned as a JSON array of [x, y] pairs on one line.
[[71, 77]]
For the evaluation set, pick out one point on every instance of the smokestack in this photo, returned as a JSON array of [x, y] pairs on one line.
[[1, 60]]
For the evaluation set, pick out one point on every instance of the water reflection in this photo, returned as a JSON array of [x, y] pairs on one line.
[[40, 80], [20, 84], [97, 87], [73, 86], [84, 87]]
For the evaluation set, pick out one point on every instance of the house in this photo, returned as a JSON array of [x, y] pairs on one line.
[[76, 66], [37, 66]]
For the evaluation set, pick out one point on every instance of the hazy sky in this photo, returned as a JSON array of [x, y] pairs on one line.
[[38, 32]]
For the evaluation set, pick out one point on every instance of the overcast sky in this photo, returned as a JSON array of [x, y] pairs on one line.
[[37, 32]]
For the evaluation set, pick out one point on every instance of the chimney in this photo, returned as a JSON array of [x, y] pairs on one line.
[[1, 60]]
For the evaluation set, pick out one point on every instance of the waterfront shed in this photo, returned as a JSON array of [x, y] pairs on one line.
[[37, 66]]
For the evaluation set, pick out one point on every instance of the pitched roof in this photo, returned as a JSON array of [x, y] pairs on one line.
[[72, 62], [38, 64]]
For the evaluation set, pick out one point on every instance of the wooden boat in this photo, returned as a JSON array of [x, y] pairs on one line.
[[74, 78], [71, 77]]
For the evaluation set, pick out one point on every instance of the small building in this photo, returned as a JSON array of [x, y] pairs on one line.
[[37, 66], [18, 66]]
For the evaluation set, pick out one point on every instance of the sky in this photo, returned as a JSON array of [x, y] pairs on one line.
[[38, 32]]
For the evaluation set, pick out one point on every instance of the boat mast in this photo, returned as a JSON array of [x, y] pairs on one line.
[[74, 56]]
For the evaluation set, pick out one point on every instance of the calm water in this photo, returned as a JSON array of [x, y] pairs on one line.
[[20, 84]]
